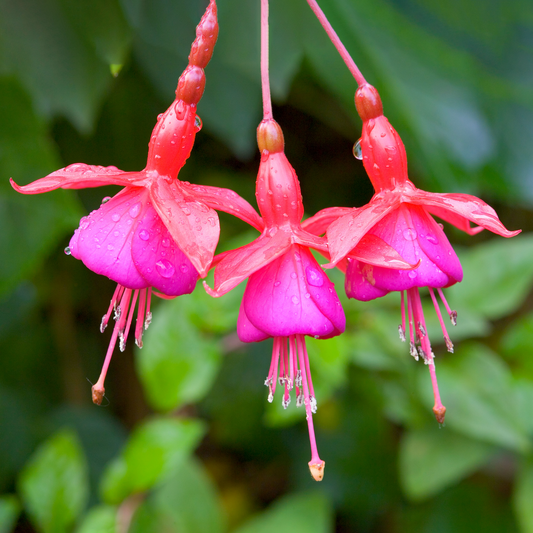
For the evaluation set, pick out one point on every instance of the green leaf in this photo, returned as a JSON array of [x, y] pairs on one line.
[[309, 512], [9, 512], [523, 496], [178, 363], [100, 519], [478, 391], [60, 71], [189, 500], [31, 225], [102, 25], [54, 485], [505, 266], [432, 459], [154, 451]]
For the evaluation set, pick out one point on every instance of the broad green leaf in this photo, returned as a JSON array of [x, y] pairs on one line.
[[102, 24], [60, 71], [478, 391], [517, 341], [53, 485], [309, 512], [9, 511], [31, 225], [178, 363], [523, 496], [189, 500], [154, 451], [504, 266], [100, 519], [431, 459]]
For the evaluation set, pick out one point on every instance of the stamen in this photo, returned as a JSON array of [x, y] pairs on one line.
[[124, 336], [449, 344], [401, 327], [148, 319], [438, 409], [112, 306], [422, 329], [140, 318], [451, 313], [316, 465], [411, 327], [98, 389]]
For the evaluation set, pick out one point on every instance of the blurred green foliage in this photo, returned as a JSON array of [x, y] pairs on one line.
[[187, 442]]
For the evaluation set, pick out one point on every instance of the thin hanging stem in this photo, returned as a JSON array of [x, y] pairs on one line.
[[265, 81], [352, 67]]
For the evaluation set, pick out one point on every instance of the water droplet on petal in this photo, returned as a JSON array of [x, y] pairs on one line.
[[264, 156], [135, 210], [295, 300], [184, 268], [115, 217], [432, 239], [357, 152], [67, 251], [314, 277], [197, 123], [106, 199], [110, 247], [144, 235], [165, 243], [84, 222], [293, 275], [412, 274], [165, 268], [410, 234], [277, 283]]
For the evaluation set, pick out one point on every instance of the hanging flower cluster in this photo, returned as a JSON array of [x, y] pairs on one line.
[[158, 235]]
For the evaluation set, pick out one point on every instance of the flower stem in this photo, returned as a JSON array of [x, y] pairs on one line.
[[352, 67], [265, 81]]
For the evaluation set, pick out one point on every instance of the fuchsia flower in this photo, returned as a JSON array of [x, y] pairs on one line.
[[288, 295], [401, 215], [157, 232]]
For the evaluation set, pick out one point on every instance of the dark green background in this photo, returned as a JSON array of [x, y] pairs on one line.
[[188, 442]]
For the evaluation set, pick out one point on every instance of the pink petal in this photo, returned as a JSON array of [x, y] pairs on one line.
[[456, 220], [80, 176], [344, 234], [375, 251], [292, 295], [103, 240], [226, 200], [412, 232], [158, 259], [460, 207], [194, 226], [237, 265], [246, 331], [319, 223]]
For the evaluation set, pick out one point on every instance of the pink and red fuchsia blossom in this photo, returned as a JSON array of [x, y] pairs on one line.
[[287, 295], [401, 215], [158, 232]]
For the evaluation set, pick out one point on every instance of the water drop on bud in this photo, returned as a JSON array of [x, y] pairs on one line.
[[357, 152]]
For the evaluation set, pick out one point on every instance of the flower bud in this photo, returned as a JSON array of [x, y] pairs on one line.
[[368, 102], [270, 137], [191, 85]]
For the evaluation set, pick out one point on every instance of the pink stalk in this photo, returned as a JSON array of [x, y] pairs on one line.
[[124, 336], [265, 81], [334, 38], [447, 340], [402, 326], [140, 319], [316, 465], [453, 314], [438, 409]]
